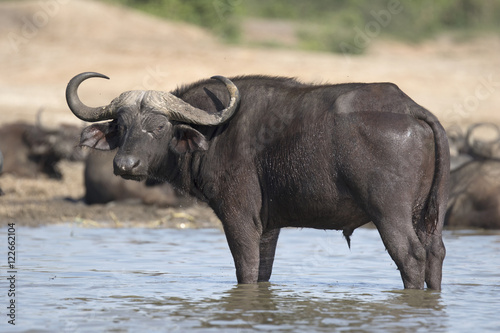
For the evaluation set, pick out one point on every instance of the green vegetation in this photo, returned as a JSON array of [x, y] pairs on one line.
[[336, 25], [220, 16]]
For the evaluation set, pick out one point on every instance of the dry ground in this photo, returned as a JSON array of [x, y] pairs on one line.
[[45, 43]]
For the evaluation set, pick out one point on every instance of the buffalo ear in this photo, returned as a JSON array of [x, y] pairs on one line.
[[102, 136], [187, 139]]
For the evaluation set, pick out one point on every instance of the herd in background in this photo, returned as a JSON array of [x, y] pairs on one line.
[[474, 197], [35, 150], [32, 151]]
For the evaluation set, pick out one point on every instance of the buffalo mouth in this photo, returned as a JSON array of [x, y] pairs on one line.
[[131, 176], [134, 177]]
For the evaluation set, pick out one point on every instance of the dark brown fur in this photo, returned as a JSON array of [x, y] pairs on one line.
[[298, 155]]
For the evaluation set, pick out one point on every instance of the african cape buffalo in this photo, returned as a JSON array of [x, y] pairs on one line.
[[474, 196], [467, 147], [287, 154], [32, 150]]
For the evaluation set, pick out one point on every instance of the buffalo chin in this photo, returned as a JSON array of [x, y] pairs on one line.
[[134, 177]]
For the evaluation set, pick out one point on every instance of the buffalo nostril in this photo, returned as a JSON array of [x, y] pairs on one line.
[[126, 163]]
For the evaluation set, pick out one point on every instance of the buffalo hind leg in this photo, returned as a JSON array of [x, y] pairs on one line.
[[405, 248], [267, 251], [435, 257]]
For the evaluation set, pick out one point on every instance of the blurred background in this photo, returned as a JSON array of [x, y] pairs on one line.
[[440, 53], [323, 25], [444, 54]]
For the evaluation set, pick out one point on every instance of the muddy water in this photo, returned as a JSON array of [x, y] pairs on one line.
[[74, 279]]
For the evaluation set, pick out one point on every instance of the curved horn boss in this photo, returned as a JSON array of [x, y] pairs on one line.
[[174, 107]]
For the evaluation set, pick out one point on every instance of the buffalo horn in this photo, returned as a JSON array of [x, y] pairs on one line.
[[177, 109], [482, 148], [81, 110]]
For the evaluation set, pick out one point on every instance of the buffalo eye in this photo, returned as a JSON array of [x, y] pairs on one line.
[[155, 130], [118, 127], [122, 128], [154, 124]]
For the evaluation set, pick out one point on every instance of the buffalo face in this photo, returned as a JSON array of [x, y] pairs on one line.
[[132, 131], [157, 120]]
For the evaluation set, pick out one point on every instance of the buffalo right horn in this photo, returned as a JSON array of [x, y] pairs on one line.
[[176, 109], [81, 110]]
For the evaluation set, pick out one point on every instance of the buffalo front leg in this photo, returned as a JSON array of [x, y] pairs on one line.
[[244, 243], [268, 242]]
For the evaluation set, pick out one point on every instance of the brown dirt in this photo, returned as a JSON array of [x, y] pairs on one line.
[[35, 202], [43, 46]]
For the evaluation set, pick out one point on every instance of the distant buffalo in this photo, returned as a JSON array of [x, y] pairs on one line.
[[1, 168], [32, 150], [469, 146], [474, 199], [102, 186], [475, 195]]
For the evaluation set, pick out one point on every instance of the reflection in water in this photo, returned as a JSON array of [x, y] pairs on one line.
[[266, 306], [119, 280]]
